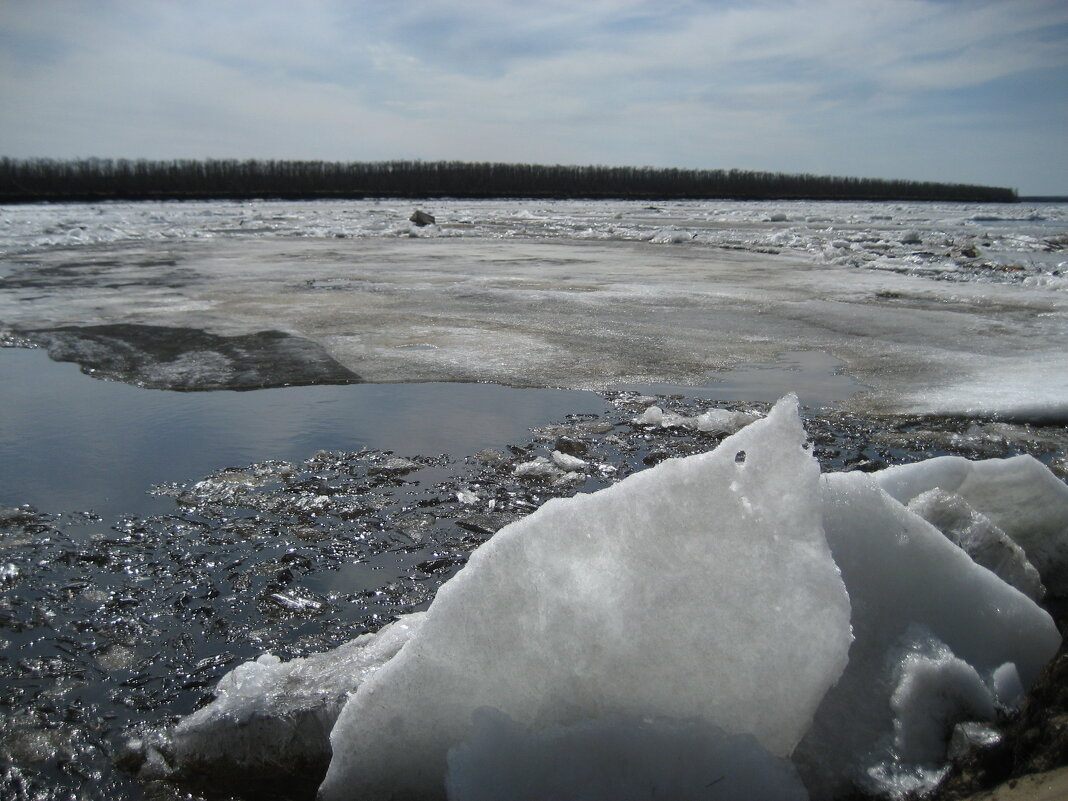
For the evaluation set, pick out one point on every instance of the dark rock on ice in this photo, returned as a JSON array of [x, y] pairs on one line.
[[441, 564], [571, 446], [486, 523], [162, 357], [421, 218]]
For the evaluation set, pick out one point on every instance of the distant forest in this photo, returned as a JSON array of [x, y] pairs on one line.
[[33, 180]]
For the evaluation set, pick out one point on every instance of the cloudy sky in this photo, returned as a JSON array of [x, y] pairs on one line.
[[955, 90]]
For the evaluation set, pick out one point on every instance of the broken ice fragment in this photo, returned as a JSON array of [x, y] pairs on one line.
[[713, 421], [539, 467], [9, 573], [1019, 495], [723, 421], [587, 608], [971, 735], [983, 541], [395, 465], [935, 690], [902, 573], [569, 463], [466, 497], [297, 601]]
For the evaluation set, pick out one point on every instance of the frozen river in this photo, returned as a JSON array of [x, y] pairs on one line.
[[950, 309], [419, 389]]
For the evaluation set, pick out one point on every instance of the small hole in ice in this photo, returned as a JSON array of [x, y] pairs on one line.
[[740, 457]]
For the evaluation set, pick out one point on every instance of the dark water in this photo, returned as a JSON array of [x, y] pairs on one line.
[[817, 378], [70, 442]]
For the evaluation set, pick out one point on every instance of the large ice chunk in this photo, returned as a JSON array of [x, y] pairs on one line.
[[1020, 495], [984, 542], [903, 575], [614, 759], [702, 590], [271, 720]]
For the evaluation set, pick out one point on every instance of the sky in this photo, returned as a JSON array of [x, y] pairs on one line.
[[946, 90]]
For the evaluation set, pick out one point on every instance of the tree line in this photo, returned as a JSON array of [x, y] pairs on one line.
[[33, 180]]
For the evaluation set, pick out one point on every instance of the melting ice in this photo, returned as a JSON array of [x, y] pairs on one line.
[[953, 309], [728, 625]]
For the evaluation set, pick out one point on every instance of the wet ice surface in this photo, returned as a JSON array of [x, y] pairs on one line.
[[954, 309], [168, 357]]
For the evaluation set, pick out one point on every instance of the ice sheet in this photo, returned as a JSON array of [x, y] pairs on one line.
[[969, 319], [1019, 495]]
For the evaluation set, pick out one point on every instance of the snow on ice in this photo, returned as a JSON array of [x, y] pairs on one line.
[[731, 624], [934, 308]]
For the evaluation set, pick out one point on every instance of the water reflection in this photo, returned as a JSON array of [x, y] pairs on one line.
[[69, 442], [73, 443], [816, 377]]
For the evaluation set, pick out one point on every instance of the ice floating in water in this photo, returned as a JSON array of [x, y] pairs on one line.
[[538, 467], [566, 461], [715, 421], [713, 615]]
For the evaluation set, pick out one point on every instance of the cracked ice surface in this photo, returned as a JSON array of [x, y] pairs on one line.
[[950, 309]]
